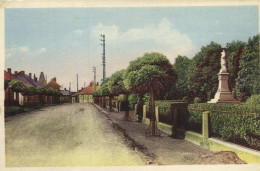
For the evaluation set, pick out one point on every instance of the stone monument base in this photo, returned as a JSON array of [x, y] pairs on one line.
[[224, 97]]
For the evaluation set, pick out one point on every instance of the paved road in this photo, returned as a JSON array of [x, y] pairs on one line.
[[66, 135]]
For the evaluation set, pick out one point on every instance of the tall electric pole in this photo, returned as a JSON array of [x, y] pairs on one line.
[[94, 70], [70, 88], [103, 56], [77, 84]]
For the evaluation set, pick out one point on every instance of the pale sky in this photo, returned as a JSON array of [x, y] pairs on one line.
[[65, 42]]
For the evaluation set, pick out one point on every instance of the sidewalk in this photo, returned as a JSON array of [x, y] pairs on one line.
[[165, 150]]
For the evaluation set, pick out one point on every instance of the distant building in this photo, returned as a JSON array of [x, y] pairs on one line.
[[9, 94], [42, 78], [17, 98], [53, 84], [85, 95], [66, 96]]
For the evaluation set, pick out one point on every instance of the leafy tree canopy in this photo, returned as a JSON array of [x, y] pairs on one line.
[[17, 86], [153, 69], [40, 90], [116, 84], [30, 90], [203, 72]]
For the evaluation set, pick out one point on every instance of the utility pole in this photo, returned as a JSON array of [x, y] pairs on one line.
[[103, 56], [94, 70], [70, 88], [77, 89], [77, 84]]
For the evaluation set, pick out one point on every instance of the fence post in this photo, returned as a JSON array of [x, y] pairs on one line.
[[157, 113], [117, 106], [205, 128], [120, 106], [135, 113], [144, 112]]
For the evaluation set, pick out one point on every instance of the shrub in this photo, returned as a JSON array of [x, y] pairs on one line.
[[165, 115], [197, 100], [12, 110], [121, 97], [253, 100], [132, 99], [229, 121]]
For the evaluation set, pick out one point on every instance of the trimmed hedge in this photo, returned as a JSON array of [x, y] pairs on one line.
[[12, 110], [165, 115], [237, 123]]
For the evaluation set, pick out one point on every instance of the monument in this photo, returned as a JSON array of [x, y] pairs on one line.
[[223, 95]]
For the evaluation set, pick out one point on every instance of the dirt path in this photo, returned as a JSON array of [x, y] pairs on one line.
[[168, 151], [66, 135]]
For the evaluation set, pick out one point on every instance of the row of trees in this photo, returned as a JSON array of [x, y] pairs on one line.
[[28, 90], [151, 73], [188, 78], [198, 77]]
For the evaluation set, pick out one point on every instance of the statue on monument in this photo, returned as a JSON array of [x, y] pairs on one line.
[[223, 61], [223, 95]]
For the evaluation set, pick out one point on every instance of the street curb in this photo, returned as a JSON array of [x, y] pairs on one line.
[[151, 158]]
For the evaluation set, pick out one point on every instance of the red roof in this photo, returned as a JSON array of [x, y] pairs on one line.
[[8, 76], [89, 90]]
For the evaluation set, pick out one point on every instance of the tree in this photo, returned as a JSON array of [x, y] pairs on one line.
[[104, 91], [234, 51], [180, 89], [40, 91], [247, 82], [203, 72], [116, 87], [17, 86], [30, 90], [150, 73], [116, 84]]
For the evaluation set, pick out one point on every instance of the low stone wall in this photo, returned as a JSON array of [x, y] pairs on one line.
[[246, 154]]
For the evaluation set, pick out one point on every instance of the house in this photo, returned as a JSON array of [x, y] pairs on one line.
[[85, 95], [17, 98], [42, 78], [24, 100], [66, 96], [9, 94], [53, 84]]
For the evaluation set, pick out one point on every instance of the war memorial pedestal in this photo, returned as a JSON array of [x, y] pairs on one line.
[[223, 95]]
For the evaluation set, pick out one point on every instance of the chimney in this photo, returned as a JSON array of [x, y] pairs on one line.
[[21, 73], [30, 76], [34, 77], [9, 70]]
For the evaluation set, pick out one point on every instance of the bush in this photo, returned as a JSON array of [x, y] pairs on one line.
[[12, 110], [121, 97], [253, 100], [232, 122], [165, 115], [197, 100], [132, 99]]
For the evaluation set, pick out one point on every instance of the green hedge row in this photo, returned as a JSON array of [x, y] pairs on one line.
[[230, 120], [12, 110], [165, 115], [164, 105]]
